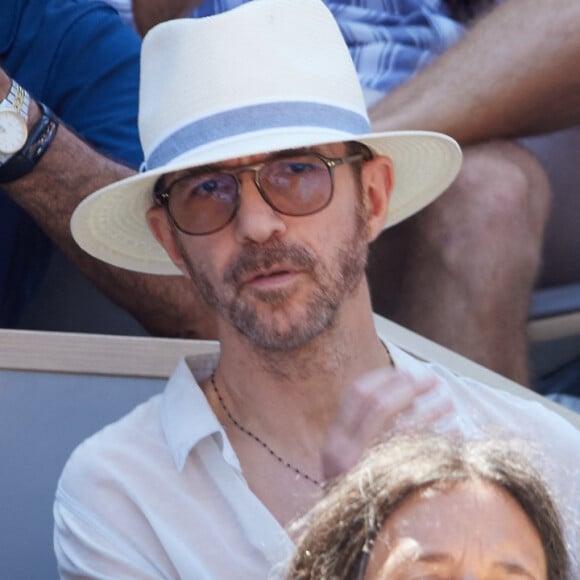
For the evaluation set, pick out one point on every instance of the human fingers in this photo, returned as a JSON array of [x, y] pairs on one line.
[[376, 398], [369, 410], [433, 410]]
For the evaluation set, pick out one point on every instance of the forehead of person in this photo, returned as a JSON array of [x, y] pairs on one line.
[[474, 530]]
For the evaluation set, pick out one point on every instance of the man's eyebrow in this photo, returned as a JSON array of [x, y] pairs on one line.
[[218, 168], [299, 151]]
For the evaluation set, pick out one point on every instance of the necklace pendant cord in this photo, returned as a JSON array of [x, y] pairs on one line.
[[257, 439]]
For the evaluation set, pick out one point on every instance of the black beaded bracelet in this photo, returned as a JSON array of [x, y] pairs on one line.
[[39, 140]]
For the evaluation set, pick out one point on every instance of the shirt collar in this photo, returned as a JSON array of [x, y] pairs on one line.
[[406, 362], [186, 416]]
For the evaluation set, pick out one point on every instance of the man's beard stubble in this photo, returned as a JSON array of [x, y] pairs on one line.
[[332, 287]]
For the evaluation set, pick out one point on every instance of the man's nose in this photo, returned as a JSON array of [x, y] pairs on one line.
[[256, 221]]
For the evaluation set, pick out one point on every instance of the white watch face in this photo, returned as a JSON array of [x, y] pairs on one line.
[[13, 131]]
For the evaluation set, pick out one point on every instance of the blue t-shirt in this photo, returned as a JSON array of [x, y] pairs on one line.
[[81, 60]]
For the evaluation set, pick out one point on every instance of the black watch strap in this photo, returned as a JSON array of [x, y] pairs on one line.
[[39, 140]]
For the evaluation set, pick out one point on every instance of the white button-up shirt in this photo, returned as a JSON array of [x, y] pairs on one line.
[[160, 493]]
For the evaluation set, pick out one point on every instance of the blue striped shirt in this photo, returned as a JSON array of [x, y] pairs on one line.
[[389, 40]]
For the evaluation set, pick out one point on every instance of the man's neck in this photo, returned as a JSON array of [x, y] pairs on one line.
[[298, 391], [277, 408]]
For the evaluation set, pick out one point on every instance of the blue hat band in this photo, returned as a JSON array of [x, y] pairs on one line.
[[255, 118]]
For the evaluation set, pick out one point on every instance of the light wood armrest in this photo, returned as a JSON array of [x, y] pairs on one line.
[[157, 357]]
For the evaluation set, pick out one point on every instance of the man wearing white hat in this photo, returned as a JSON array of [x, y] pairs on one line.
[[263, 184]]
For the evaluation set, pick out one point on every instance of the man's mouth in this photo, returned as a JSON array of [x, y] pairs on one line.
[[271, 274], [273, 279], [269, 267]]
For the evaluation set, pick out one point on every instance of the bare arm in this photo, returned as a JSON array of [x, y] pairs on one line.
[[514, 74], [68, 172], [148, 13]]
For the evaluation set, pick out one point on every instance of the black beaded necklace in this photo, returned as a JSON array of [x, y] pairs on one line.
[[261, 441]]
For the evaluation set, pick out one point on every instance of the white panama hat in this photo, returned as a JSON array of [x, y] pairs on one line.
[[266, 76]]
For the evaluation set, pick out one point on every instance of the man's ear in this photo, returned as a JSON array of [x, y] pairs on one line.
[[377, 185], [162, 230]]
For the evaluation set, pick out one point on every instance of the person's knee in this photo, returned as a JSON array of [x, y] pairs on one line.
[[495, 210], [511, 187]]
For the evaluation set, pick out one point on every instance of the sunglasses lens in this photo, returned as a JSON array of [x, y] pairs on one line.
[[298, 185], [201, 204]]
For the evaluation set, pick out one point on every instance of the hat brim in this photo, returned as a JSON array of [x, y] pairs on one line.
[[111, 223]]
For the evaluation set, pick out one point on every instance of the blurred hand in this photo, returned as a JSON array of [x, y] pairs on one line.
[[378, 403]]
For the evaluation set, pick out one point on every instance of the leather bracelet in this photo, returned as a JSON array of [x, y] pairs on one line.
[[39, 140]]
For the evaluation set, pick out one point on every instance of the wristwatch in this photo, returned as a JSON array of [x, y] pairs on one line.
[[13, 117], [41, 136]]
